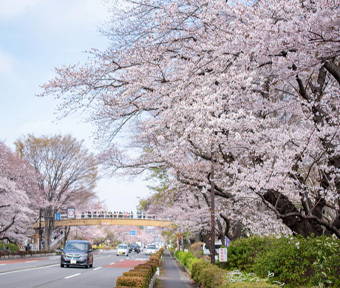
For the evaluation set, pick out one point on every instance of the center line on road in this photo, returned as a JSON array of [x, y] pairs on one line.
[[97, 268], [74, 275]]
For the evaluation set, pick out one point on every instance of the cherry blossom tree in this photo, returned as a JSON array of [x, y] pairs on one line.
[[69, 174], [17, 183], [251, 87]]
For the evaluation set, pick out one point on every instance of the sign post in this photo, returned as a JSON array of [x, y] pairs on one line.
[[223, 254]]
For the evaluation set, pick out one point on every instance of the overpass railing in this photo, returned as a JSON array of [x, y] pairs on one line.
[[109, 214]]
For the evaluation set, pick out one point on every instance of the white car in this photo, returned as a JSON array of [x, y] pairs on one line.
[[123, 249], [206, 251], [149, 249]]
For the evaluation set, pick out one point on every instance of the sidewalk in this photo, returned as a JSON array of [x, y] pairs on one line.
[[173, 275]]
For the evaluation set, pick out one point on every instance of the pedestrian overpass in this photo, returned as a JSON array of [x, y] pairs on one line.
[[108, 221], [104, 220]]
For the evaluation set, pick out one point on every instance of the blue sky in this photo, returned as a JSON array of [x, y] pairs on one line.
[[35, 37]]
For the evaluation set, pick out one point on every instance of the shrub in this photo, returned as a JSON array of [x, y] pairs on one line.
[[144, 267], [212, 277], [197, 269], [131, 281], [242, 252], [196, 249], [299, 261], [139, 273], [10, 247], [185, 258]]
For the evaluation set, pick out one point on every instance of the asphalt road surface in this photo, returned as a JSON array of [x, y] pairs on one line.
[[46, 271]]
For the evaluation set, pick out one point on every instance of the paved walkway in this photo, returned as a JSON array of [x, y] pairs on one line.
[[173, 275]]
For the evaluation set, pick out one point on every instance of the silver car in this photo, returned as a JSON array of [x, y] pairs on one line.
[[123, 249], [150, 249]]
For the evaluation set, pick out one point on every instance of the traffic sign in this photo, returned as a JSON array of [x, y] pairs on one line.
[[57, 216], [132, 233], [70, 213]]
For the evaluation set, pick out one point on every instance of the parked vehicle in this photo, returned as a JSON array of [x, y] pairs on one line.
[[149, 249], [123, 249], [77, 253], [134, 247], [206, 251]]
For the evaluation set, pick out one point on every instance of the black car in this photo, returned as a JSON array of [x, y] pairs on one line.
[[77, 253], [134, 247]]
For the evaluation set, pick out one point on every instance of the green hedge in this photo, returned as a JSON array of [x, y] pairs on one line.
[[10, 247], [242, 253], [298, 261], [208, 275], [140, 276], [129, 281], [295, 261], [288, 260], [186, 259]]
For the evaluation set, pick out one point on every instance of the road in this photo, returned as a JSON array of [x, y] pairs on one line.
[[46, 271]]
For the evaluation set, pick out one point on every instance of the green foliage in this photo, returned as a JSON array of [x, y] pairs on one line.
[[186, 259], [197, 268], [10, 247], [131, 281], [243, 252], [212, 277], [139, 273], [196, 249], [299, 261]]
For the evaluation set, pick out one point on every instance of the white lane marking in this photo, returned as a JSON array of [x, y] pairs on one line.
[[29, 269], [74, 275], [3, 264], [31, 261], [112, 263], [103, 257], [95, 269]]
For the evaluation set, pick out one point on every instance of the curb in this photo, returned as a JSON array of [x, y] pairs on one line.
[[10, 257]]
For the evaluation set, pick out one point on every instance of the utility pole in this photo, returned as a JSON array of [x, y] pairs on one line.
[[40, 230], [212, 211]]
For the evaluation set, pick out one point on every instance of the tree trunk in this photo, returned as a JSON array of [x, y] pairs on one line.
[[49, 227], [297, 224]]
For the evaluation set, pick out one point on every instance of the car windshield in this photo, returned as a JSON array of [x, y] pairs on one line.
[[151, 247], [122, 247], [76, 246]]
